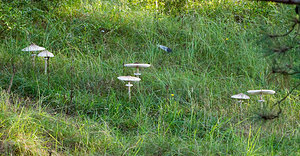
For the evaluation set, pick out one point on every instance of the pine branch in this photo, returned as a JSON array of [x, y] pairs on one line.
[[290, 92], [282, 50], [284, 72], [272, 116], [282, 35]]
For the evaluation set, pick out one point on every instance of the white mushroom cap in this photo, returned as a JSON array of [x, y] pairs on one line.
[[45, 53], [137, 65], [33, 47], [128, 78], [240, 96], [258, 92]]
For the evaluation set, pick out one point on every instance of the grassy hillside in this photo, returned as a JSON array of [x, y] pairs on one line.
[[182, 106]]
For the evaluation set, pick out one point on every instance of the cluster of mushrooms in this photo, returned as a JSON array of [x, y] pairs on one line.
[[33, 48], [130, 79], [240, 97]]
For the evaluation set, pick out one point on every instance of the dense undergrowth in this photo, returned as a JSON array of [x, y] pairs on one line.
[[182, 106]]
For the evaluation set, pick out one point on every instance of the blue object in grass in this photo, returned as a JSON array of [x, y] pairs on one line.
[[165, 48]]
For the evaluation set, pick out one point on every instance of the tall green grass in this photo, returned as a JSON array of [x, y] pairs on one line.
[[85, 110]]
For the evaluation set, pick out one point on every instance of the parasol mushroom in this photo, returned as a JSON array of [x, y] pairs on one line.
[[240, 97], [261, 93], [129, 79], [46, 54], [137, 66], [33, 48]]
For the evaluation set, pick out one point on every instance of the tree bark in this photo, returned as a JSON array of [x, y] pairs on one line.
[[284, 1]]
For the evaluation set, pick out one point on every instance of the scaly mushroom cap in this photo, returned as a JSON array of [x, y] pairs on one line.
[[128, 78], [45, 53], [258, 92], [137, 65], [240, 96], [33, 47]]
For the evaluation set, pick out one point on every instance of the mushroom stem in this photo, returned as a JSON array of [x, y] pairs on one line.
[[261, 98], [240, 102], [33, 59], [261, 101], [129, 85], [46, 60], [137, 74]]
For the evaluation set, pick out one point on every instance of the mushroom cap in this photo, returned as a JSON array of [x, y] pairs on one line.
[[240, 96], [33, 47], [45, 53], [258, 92], [128, 78], [137, 65]]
